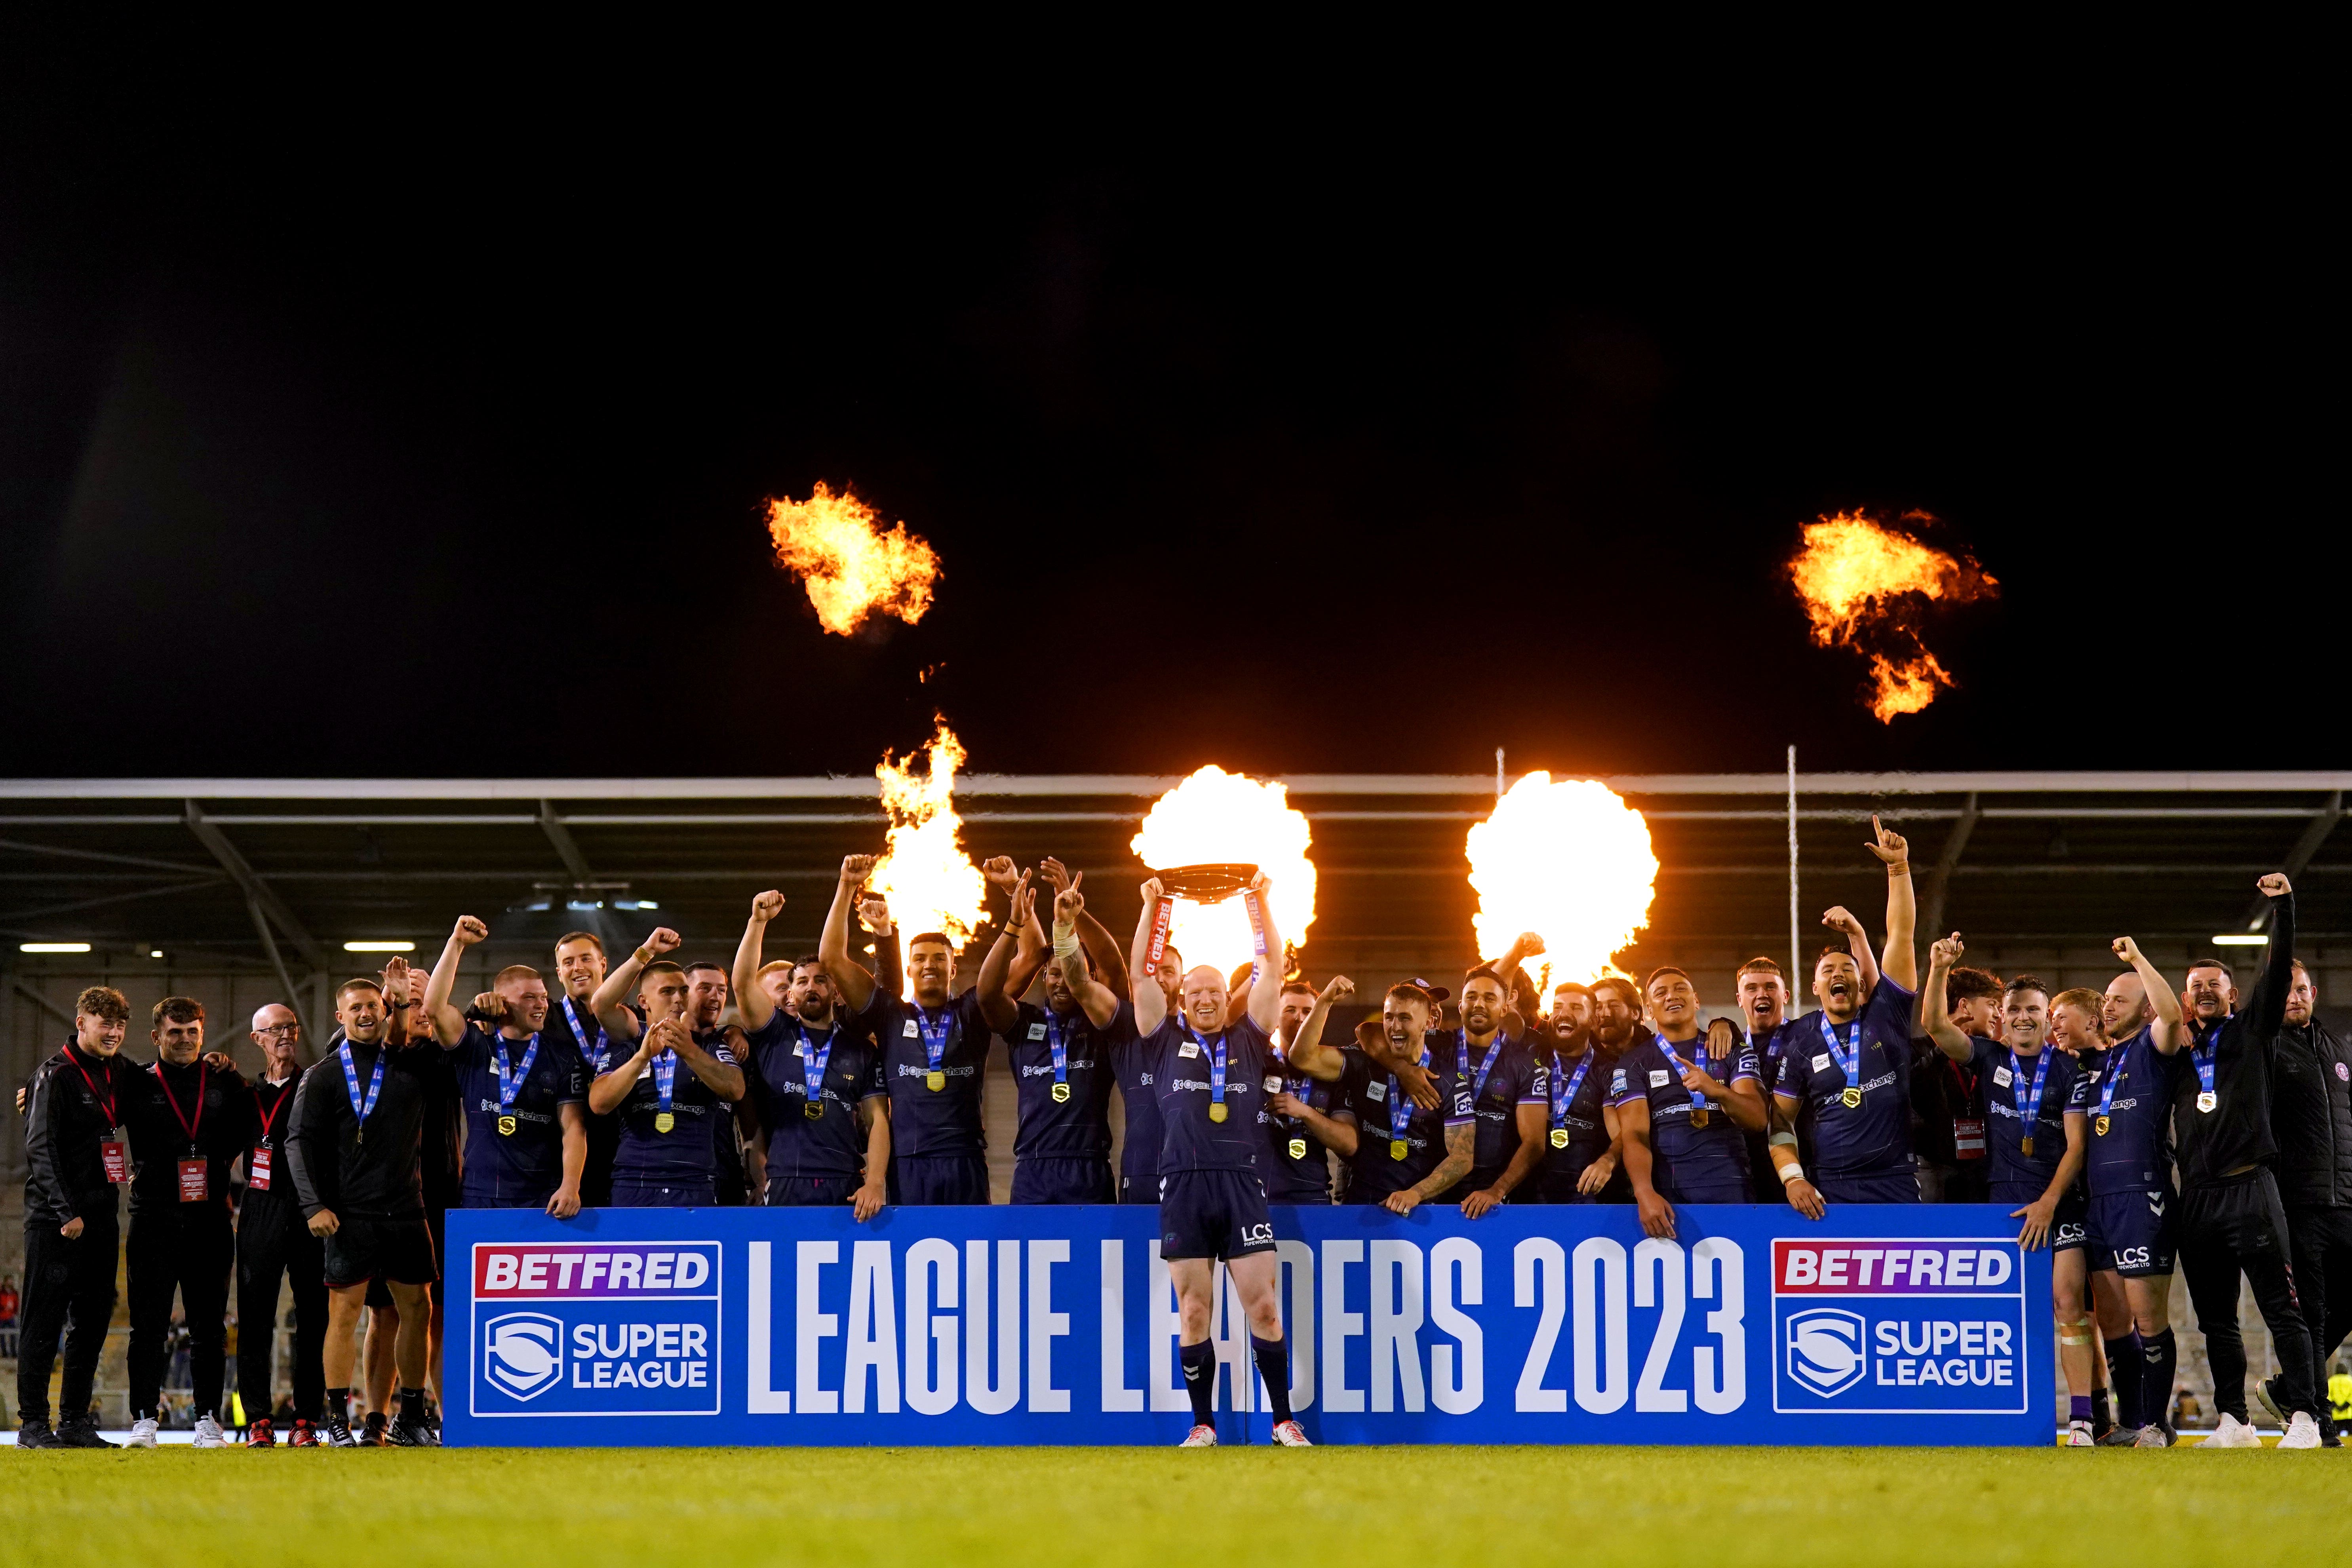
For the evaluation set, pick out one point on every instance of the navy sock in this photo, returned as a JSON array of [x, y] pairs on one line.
[[1200, 1363], [412, 1404], [2161, 1356], [2078, 1407], [2124, 1363], [1273, 1358]]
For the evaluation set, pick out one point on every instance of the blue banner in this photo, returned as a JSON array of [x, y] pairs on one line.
[[1879, 1325]]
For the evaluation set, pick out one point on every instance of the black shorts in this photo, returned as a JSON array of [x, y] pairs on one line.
[[812, 1192], [1894, 1185], [1214, 1213], [1046, 1181], [939, 1179], [663, 1192], [365, 1248], [2133, 1232], [1140, 1189]]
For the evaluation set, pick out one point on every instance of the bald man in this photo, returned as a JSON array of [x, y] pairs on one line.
[[273, 1242]]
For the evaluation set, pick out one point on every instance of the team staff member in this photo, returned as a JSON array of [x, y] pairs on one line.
[[186, 1135], [1508, 1092], [2133, 1211], [1308, 1121], [666, 1089], [1855, 1080], [1684, 1126], [524, 1095], [1416, 1134], [934, 1050], [352, 1146], [75, 1162], [815, 1116], [1209, 1069], [2231, 1221], [579, 971], [2036, 1148], [273, 1244], [2311, 1116], [1582, 1133], [1061, 1058]]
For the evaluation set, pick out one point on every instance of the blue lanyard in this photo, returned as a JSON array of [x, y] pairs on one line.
[[1562, 1103], [935, 1044], [595, 1052], [510, 1087], [1769, 1058], [2200, 1057], [814, 1060], [1487, 1065], [360, 1107], [665, 1078], [2029, 1105], [1216, 1054], [1058, 1042], [2119, 1060], [1400, 1106], [1699, 1100], [1849, 1057]]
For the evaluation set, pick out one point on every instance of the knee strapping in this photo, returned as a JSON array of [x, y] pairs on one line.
[[2074, 1332]]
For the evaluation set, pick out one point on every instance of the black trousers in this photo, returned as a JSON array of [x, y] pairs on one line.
[[69, 1295], [190, 1255], [2321, 1243], [2236, 1226], [273, 1243]]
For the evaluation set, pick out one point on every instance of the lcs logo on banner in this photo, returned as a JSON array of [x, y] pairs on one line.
[[1895, 1328], [571, 1329]]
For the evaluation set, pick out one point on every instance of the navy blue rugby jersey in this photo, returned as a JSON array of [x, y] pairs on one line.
[[932, 1060], [2130, 1090], [689, 1151], [1685, 1155], [2042, 1083], [1387, 1117], [505, 1167], [1875, 1133], [1298, 1169], [1503, 1077], [1049, 1049], [786, 1054], [1184, 1072]]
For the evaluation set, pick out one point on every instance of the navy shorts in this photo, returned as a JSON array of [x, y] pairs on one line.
[[1300, 1192], [2069, 1229], [1048, 1181], [1705, 1193], [1214, 1213], [663, 1192], [1140, 1189], [2132, 1232], [365, 1248], [508, 1195], [812, 1192], [939, 1179], [1895, 1185]]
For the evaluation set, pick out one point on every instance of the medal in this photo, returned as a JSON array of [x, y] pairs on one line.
[[813, 1058], [510, 1083], [1559, 1137], [1217, 1056], [1848, 1058], [664, 1090], [1851, 1098], [664, 1122], [1216, 1111], [1697, 1099], [2025, 1147], [1399, 1148], [2118, 1060], [2208, 1100], [935, 1047], [506, 1126], [1698, 1118], [935, 1081], [1401, 1111], [2200, 1057], [360, 1105], [1298, 1148], [1058, 1042], [1061, 1094], [1562, 1100], [2099, 1125], [813, 1108]]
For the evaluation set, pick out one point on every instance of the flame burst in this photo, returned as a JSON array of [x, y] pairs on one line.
[[930, 882], [1215, 816], [1570, 861], [836, 545], [1861, 583]]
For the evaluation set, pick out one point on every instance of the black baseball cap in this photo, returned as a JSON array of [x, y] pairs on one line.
[[1434, 993]]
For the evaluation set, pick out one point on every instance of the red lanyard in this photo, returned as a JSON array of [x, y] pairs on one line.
[[270, 1115], [187, 1126], [105, 1102]]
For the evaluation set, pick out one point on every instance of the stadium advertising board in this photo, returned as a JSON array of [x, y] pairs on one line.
[[1924, 1325]]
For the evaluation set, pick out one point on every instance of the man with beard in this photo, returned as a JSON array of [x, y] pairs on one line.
[[2311, 1115], [1306, 1120], [185, 1134], [1857, 1081], [1763, 993], [668, 1154], [1418, 1134], [1682, 1124], [523, 1097], [272, 1242], [934, 1050], [1060, 1053], [1509, 1093], [2231, 1221], [815, 1116], [1583, 1133]]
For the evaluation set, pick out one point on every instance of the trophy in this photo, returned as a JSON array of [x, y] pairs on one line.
[[1205, 884]]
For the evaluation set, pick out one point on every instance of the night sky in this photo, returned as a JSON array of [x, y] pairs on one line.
[[333, 448]]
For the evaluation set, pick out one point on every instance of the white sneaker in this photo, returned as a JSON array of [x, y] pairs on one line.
[[1200, 1437], [2078, 1435], [2233, 1433], [208, 1434], [2153, 1437], [1290, 1435], [142, 1434], [2303, 1432]]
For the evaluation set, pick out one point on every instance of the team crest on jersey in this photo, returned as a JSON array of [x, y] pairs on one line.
[[2343, 1073]]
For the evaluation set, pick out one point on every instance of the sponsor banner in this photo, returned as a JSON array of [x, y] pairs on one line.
[[1880, 1325]]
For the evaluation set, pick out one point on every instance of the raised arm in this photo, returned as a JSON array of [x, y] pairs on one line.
[[848, 977], [447, 1023], [1526, 945], [1097, 1001], [1935, 1008], [998, 1002], [2166, 1032], [2268, 1003], [889, 970], [751, 1000], [1109, 963], [1266, 990], [1842, 920], [1150, 1001], [1901, 963], [1308, 1055], [610, 1003]]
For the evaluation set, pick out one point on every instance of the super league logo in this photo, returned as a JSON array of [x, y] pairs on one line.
[[1825, 1350], [522, 1353]]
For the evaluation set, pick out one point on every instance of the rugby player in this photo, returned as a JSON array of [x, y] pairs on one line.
[[2075, 1029], [1582, 1134], [1416, 1133], [816, 1117], [2231, 1221], [934, 1050], [1208, 1074], [580, 966], [1682, 1124], [1060, 1055], [1509, 1091], [708, 992], [1763, 994], [1306, 1120], [185, 1132], [365, 1197], [523, 1093], [2132, 1213], [1855, 1080], [2311, 1116], [273, 1244], [669, 1154], [2036, 1148]]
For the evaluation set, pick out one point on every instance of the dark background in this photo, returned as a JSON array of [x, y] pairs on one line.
[[1349, 446]]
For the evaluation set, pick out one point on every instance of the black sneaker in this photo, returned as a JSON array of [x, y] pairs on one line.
[[371, 1430], [2328, 1437], [337, 1431], [433, 1419], [81, 1432], [410, 1432], [39, 1433]]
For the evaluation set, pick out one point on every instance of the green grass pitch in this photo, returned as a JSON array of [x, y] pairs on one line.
[[1415, 1507]]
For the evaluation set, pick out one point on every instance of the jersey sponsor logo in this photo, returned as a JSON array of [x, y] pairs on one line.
[[1200, 1083], [2069, 1231], [1036, 1031], [910, 1032], [1889, 1327], [1257, 1235], [1658, 1078], [1188, 1049], [1376, 1091], [1046, 1069], [618, 1329], [1822, 1062], [909, 1070], [522, 1353]]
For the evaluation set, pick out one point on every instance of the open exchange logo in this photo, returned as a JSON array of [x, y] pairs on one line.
[[522, 1353], [1825, 1350]]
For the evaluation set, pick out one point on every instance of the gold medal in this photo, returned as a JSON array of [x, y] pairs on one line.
[[664, 1122], [1298, 1148], [1851, 1098], [813, 1108], [1559, 1137], [935, 1080], [2099, 1126], [506, 1126], [2208, 1100], [1061, 1094], [1216, 1111], [1698, 1117], [1399, 1148], [2025, 1147]]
